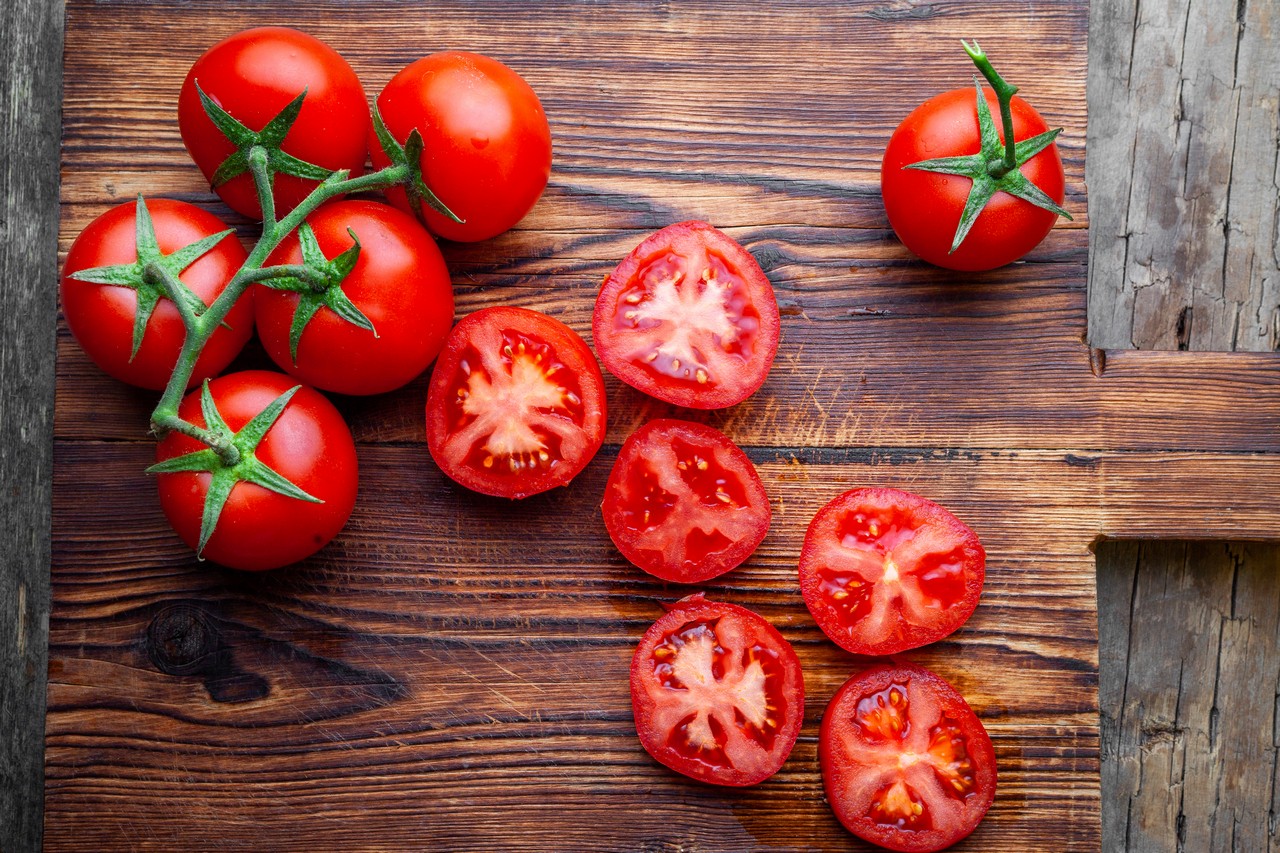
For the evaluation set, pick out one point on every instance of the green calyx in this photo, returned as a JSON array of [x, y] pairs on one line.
[[997, 167], [259, 149], [154, 274], [319, 285], [230, 459], [409, 156]]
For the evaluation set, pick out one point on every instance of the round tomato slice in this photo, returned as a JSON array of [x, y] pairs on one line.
[[905, 762], [684, 502], [717, 692], [688, 317], [883, 571], [516, 403]]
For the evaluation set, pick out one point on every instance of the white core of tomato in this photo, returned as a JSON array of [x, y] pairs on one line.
[[708, 696], [694, 311], [508, 403]]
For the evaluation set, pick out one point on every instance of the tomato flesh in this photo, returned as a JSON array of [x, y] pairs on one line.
[[717, 693], [516, 404], [683, 502], [884, 570], [688, 317], [906, 763]]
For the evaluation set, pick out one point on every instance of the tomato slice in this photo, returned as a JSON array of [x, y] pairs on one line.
[[905, 762], [717, 693], [688, 317], [516, 403], [684, 502], [884, 570]]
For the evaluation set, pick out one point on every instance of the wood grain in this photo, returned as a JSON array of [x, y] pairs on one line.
[[30, 90], [450, 673]]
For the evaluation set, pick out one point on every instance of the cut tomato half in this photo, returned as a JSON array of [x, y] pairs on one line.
[[683, 502], [516, 403], [905, 762], [884, 570], [688, 317], [717, 693]]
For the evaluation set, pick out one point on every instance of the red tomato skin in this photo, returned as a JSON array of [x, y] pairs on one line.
[[101, 316], [826, 521], [399, 282], [645, 707], [487, 152], [924, 208], [310, 445], [686, 239], [253, 75], [570, 347], [836, 724], [649, 444]]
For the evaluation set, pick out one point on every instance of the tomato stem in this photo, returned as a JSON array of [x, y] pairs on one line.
[[1004, 94], [202, 323], [259, 160]]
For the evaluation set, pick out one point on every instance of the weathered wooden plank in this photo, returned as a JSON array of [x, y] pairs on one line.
[[30, 91], [1184, 136], [1189, 634]]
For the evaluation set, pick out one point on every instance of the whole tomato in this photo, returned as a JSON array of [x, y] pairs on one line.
[[398, 288], [924, 207], [308, 445], [487, 151], [253, 75], [950, 154], [104, 317]]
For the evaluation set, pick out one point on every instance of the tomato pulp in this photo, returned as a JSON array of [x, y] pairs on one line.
[[688, 317], [516, 403], [884, 570], [906, 764], [717, 693], [683, 502]]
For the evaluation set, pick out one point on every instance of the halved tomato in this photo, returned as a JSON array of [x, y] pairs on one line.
[[688, 317], [684, 502], [516, 403], [717, 693], [905, 762], [884, 570]]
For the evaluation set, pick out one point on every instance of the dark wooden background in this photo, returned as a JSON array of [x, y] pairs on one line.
[[480, 746]]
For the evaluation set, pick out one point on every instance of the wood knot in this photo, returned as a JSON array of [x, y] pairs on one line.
[[182, 640]]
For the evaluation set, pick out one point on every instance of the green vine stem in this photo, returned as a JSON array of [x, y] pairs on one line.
[[1004, 94], [201, 325]]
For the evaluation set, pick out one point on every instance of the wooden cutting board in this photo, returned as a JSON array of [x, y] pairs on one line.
[[451, 672]]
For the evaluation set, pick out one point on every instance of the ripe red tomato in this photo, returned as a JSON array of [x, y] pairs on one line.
[[717, 693], [487, 153], [884, 570], [102, 317], [255, 74], [924, 208], [688, 317], [905, 762], [399, 284], [684, 502], [309, 445], [516, 403]]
